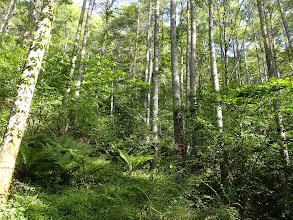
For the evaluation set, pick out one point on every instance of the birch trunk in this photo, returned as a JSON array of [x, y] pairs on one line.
[[177, 117], [257, 54], [248, 80], [223, 164], [148, 71], [273, 73], [193, 61], [8, 16], [214, 65], [75, 47], [136, 43], [82, 56], [266, 41], [17, 121], [155, 86], [32, 18], [284, 20], [181, 51], [188, 68], [107, 13]]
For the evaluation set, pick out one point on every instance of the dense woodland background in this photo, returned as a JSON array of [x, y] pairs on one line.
[[130, 122]]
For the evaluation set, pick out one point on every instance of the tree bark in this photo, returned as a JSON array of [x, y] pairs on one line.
[[32, 18], [177, 116], [75, 47], [193, 61], [188, 69], [107, 13], [273, 73], [181, 52], [214, 65], [136, 43], [266, 41], [155, 85], [148, 71], [17, 121], [82, 56], [257, 54], [285, 24], [8, 16]]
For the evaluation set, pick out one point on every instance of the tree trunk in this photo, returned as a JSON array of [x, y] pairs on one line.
[[214, 73], [177, 117], [214, 65], [273, 73], [17, 121], [148, 71], [75, 47], [32, 18], [107, 13], [248, 80], [8, 16], [136, 43], [82, 56], [188, 70], [286, 27], [181, 51], [193, 61], [257, 54], [155, 86], [266, 41]]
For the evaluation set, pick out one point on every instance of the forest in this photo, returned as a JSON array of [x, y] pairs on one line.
[[151, 109]]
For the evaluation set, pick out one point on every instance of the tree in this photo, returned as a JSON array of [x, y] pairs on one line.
[[8, 16], [17, 120], [82, 56], [216, 85], [75, 46], [155, 84], [273, 73], [285, 24], [32, 18], [148, 70], [177, 116], [192, 64]]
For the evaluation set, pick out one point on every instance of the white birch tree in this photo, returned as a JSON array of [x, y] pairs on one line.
[[17, 121]]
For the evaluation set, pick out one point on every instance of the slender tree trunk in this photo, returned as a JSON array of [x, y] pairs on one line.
[[181, 52], [223, 164], [284, 20], [148, 72], [193, 61], [107, 13], [273, 73], [266, 41], [82, 56], [257, 54], [32, 18], [223, 45], [163, 56], [75, 47], [155, 85], [238, 58], [248, 80], [17, 121], [188, 70], [8, 16], [177, 117], [214, 65], [136, 43]]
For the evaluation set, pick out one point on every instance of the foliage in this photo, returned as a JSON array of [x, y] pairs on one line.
[[134, 161]]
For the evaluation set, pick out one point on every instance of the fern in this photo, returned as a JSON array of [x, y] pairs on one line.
[[134, 162]]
